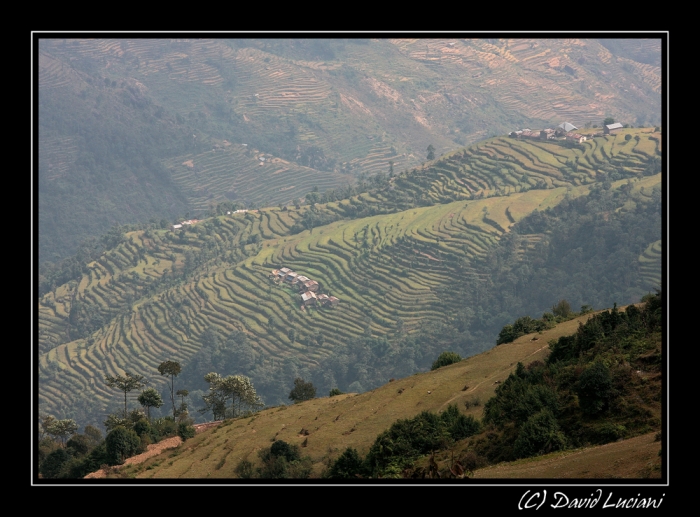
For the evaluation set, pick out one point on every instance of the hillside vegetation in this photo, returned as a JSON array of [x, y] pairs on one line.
[[321, 429], [139, 129], [415, 275]]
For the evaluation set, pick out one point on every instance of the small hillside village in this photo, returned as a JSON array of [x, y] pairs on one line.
[[189, 222], [564, 131], [308, 288], [195, 221]]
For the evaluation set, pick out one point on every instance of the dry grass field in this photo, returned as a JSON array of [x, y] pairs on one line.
[[635, 458], [349, 420]]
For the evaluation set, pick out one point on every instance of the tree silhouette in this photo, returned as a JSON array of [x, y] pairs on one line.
[[302, 391], [150, 398], [173, 369], [126, 384]]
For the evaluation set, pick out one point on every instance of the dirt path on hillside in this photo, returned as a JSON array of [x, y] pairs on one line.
[[152, 450], [488, 379]]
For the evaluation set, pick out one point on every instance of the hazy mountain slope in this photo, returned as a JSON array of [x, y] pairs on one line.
[[116, 116]]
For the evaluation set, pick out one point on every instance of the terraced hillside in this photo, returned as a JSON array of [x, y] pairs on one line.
[[650, 264], [230, 172], [383, 269], [158, 294], [337, 106], [502, 165]]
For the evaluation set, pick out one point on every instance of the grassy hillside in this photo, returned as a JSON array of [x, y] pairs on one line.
[[189, 295], [118, 118], [635, 458], [324, 427], [350, 420]]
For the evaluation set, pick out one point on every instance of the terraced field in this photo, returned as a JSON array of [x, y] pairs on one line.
[[269, 82], [501, 166], [53, 73], [232, 173], [417, 85], [134, 308], [382, 268], [59, 155], [650, 265], [556, 80]]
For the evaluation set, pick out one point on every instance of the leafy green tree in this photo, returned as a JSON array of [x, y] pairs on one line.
[[349, 465], [283, 449], [44, 424], [302, 391], [93, 434], [283, 460], [458, 424], [163, 427], [244, 469], [115, 420], [216, 399], [273, 467], [405, 440], [53, 464], [608, 120], [79, 445], [585, 309], [236, 388], [540, 434], [183, 405], [594, 388], [89, 463], [186, 431], [173, 369], [334, 392], [142, 427], [122, 443], [431, 152], [562, 309], [126, 384], [444, 359], [62, 429], [150, 398]]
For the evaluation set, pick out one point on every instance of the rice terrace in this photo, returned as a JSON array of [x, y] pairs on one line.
[[399, 231]]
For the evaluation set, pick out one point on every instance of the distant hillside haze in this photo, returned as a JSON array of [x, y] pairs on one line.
[[135, 131]]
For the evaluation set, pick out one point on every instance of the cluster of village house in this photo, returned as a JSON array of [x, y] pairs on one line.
[[195, 221], [564, 131], [306, 286], [188, 222]]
